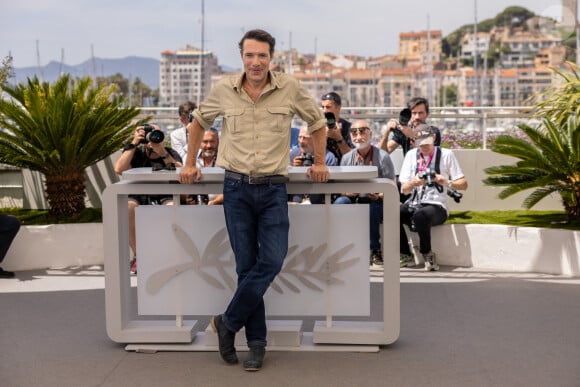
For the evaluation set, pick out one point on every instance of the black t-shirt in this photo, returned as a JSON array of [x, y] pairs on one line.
[[140, 160], [332, 145]]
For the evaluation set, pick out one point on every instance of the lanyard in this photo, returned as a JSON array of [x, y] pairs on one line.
[[422, 163]]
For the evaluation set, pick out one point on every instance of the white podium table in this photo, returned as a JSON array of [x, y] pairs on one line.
[[153, 332]]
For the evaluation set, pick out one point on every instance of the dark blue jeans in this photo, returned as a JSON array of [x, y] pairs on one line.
[[9, 226], [257, 222]]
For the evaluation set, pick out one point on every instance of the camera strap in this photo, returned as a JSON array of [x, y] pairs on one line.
[[437, 151]]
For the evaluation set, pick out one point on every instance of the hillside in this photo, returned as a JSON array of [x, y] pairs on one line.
[[147, 69]]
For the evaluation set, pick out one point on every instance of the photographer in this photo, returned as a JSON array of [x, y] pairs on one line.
[[367, 154], [146, 149], [179, 135], [338, 139], [302, 156], [426, 175], [401, 132]]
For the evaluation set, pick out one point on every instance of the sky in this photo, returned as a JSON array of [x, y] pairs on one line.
[[40, 31]]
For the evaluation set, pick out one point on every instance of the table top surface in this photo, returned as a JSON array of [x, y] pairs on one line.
[[216, 174]]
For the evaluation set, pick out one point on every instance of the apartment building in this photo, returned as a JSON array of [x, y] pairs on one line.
[[185, 75], [523, 46], [422, 47], [472, 43]]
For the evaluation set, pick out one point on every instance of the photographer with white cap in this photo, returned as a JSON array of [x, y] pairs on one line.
[[426, 174]]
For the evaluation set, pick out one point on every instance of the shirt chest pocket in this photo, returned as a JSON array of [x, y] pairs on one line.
[[279, 118], [233, 120]]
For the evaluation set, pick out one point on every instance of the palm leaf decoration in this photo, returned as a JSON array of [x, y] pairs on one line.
[[548, 160], [61, 129]]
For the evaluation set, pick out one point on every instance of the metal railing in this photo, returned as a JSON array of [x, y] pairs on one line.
[[451, 120]]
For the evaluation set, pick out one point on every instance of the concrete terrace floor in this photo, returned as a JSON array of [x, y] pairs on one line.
[[459, 327]]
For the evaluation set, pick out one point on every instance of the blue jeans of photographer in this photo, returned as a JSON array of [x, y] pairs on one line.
[[257, 222], [375, 217]]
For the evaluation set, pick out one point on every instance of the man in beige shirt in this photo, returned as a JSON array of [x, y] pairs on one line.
[[257, 109]]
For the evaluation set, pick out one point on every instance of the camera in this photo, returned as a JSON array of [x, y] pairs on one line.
[[456, 195], [405, 117], [152, 134], [429, 176], [307, 159], [330, 120]]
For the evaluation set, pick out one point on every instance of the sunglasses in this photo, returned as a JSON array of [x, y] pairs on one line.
[[331, 97], [361, 130]]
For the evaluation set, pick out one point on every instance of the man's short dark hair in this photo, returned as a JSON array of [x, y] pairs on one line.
[[333, 97], [185, 108], [416, 101], [260, 36]]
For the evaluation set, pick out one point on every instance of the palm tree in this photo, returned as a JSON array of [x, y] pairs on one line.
[[60, 130], [549, 159]]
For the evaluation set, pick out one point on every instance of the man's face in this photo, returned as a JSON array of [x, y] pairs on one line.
[[256, 60], [426, 149], [329, 105], [209, 144], [419, 115], [360, 135], [305, 141], [184, 119]]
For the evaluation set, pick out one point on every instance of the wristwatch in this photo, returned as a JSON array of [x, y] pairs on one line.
[[129, 147]]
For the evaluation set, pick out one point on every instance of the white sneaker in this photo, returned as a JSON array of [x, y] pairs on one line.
[[431, 261]]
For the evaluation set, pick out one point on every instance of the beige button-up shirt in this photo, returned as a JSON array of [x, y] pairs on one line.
[[255, 136]]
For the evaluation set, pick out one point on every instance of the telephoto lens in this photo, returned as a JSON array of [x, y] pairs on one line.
[[330, 120], [148, 129], [155, 136], [405, 117]]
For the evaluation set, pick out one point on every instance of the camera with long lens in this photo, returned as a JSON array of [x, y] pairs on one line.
[[429, 176], [330, 120], [405, 117], [456, 195], [307, 159], [152, 135]]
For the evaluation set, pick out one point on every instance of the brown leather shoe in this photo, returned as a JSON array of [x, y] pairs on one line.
[[255, 359], [226, 339]]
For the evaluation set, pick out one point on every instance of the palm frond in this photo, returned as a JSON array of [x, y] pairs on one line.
[[61, 129]]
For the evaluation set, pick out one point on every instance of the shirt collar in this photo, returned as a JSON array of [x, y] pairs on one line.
[[273, 76]]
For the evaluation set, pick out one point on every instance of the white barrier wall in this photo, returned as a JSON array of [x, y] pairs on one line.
[[515, 249], [180, 245]]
